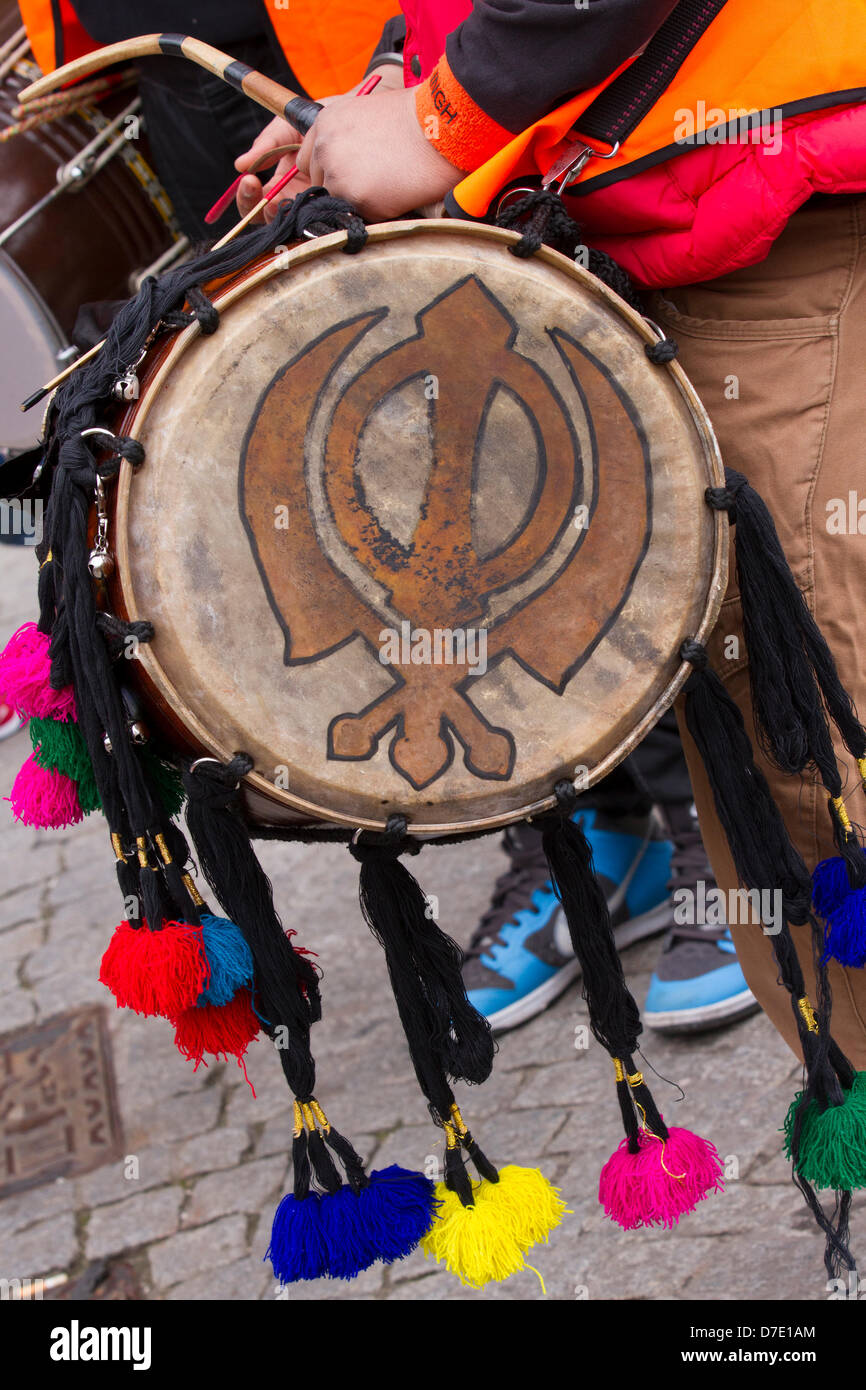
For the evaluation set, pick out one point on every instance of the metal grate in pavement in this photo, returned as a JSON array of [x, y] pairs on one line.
[[58, 1106]]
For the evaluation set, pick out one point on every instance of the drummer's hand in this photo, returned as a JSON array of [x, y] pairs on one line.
[[374, 153], [253, 187], [279, 132]]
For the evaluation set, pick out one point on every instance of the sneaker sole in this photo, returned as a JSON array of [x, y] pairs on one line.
[[704, 1018], [522, 1010]]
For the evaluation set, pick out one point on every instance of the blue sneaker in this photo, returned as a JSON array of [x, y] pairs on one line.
[[698, 984], [520, 958]]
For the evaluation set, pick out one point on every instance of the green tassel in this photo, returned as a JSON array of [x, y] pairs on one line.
[[60, 745], [166, 782], [832, 1142]]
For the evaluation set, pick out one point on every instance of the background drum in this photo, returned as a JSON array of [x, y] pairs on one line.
[[429, 437], [82, 213]]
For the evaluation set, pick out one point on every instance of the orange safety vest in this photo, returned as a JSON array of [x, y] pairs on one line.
[[769, 56], [53, 45], [327, 43]]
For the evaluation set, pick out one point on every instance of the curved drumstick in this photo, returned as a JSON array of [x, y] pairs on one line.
[[280, 101]]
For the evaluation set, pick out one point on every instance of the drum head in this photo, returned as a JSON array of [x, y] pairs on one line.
[[420, 529]]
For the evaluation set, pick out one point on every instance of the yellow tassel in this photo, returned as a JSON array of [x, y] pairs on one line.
[[488, 1242], [533, 1205]]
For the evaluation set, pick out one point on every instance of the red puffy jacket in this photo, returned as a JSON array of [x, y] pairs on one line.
[[706, 212]]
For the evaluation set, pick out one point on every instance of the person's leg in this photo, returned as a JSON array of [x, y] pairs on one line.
[[776, 353]]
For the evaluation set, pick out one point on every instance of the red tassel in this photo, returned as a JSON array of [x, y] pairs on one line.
[[156, 972], [220, 1031]]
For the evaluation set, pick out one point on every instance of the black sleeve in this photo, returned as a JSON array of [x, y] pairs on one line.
[[217, 22], [393, 36], [518, 59]]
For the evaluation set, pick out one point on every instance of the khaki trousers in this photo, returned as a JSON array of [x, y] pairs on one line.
[[777, 353]]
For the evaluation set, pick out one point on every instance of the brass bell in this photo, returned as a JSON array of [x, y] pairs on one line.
[[101, 565], [138, 732]]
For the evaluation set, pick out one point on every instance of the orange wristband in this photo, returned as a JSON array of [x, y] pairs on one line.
[[453, 123]]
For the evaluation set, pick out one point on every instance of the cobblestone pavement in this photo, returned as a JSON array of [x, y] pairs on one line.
[[212, 1161]]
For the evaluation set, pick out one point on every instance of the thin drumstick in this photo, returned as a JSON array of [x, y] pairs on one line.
[[60, 377], [226, 199], [372, 81], [239, 226]]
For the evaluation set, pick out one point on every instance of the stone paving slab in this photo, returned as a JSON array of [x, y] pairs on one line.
[[204, 1162]]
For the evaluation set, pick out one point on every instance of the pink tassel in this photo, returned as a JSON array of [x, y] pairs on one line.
[[44, 797], [661, 1182], [156, 972], [25, 671]]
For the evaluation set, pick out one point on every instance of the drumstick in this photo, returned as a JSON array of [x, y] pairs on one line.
[[248, 217], [362, 91], [279, 100], [225, 199], [91, 352]]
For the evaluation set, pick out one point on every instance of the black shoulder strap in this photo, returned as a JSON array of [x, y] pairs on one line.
[[623, 104]]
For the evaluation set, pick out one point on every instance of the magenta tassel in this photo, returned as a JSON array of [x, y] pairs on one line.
[[43, 797], [661, 1182], [25, 671]]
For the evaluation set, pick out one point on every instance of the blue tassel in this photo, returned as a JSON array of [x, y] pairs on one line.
[[398, 1208], [230, 960], [349, 1246], [298, 1249], [846, 931], [830, 885]]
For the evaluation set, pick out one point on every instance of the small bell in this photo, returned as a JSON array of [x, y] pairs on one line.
[[126, 388], [101, 565]]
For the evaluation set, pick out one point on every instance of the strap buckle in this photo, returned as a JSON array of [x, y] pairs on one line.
[[568, 167]]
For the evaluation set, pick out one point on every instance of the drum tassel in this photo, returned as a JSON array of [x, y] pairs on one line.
[[482, 1231], [657, 1174], [832, 1103], [793, 678]]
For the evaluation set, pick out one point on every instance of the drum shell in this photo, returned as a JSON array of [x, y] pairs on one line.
[[268, 808]]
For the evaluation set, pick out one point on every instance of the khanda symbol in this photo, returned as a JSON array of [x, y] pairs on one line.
[[543, 596]]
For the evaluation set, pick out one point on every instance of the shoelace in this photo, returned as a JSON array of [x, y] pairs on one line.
[[512, 893], [689, 865]]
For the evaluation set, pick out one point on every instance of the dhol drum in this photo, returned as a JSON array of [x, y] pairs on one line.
[[421, 530], [412, 543], [83, 212]]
